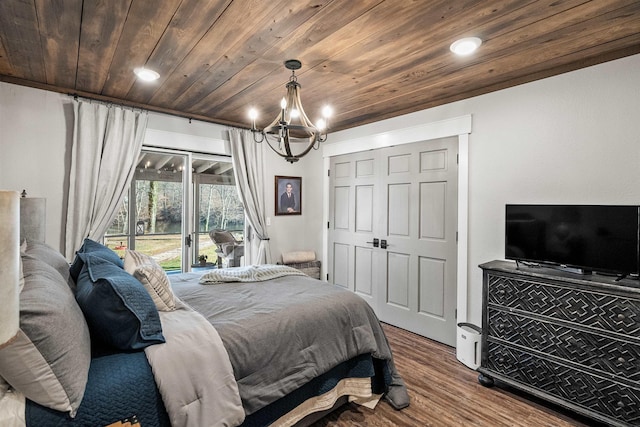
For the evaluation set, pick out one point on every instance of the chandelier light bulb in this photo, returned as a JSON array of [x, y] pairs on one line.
[[295, 114], [253, 115], [283, 103], [321, 125], [327, 111]]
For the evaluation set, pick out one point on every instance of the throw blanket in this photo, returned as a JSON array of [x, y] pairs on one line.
[[203, 391], [251, 273]]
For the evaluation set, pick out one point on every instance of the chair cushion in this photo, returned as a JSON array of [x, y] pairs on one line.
[[227, 248], [221, 236]]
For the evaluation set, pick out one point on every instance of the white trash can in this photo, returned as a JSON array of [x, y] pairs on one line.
[[468, 344]]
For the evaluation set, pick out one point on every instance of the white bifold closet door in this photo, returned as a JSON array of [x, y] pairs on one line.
[[392, 233]]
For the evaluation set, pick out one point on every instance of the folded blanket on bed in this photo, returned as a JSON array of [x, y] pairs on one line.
[[251, 273], [193, 372]]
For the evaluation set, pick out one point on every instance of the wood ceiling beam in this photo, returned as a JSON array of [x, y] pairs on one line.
[[223, 168], [205, 166]]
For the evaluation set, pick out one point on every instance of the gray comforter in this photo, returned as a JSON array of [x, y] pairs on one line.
[[282, 333]]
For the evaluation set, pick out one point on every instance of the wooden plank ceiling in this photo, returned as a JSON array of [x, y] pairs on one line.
[[368, 59]]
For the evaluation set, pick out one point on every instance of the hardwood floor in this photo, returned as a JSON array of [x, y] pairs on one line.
[[444, 393]]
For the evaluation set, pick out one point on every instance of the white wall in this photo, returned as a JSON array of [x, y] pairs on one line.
[[35, 139], [296, 232], [572, 138]]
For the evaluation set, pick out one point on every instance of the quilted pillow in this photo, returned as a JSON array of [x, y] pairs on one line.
[[118, 309], [153, 278], [51, 257], [94, 248], [49, 359]]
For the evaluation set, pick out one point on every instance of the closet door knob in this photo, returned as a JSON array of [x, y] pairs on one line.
[[375, 243]]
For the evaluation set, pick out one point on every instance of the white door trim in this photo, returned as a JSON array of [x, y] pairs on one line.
[[458, 126]]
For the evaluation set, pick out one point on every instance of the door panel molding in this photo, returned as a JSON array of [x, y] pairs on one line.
[[364, 208], [363, 267], [431, 274], [398, 210], [398, 268]]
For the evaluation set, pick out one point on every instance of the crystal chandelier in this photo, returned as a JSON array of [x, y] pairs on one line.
[[291, 134]]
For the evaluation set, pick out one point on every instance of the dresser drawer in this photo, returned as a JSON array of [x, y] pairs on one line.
[[596, 351], [590, 392], [597, 310]]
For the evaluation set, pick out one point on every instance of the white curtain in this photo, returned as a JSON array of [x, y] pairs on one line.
[[248, 164], [107, 140]]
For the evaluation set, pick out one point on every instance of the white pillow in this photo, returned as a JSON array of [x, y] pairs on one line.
[[153, 278]]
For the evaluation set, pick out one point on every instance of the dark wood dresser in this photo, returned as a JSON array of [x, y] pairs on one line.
[[568, 338]]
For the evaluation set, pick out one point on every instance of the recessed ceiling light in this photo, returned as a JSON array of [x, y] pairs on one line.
[[146, 74], [465, 46]]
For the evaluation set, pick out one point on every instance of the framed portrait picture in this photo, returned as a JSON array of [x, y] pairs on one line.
[[288, 195]]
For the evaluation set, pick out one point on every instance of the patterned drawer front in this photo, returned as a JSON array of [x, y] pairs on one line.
[[595, 351], [596, 394], [606, 312]]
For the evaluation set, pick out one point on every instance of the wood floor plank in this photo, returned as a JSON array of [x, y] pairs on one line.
[[445, 393]]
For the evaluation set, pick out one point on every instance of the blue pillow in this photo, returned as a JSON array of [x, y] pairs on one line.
[[117, 307], [94, 248]]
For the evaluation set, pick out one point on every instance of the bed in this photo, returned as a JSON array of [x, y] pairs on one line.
[[108, 341]]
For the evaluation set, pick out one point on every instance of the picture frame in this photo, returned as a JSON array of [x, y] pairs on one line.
[[288, 195]]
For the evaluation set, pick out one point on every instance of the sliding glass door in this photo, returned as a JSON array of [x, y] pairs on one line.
[[152, 219], [175, 199], [216, 206]]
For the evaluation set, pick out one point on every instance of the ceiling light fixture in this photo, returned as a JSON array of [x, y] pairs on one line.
[[146, 74], [292, 127], [465, 46]]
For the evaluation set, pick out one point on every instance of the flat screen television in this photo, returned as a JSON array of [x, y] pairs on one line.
[[603, 239]]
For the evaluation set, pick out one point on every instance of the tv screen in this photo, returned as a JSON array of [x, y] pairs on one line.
[[594, 238]]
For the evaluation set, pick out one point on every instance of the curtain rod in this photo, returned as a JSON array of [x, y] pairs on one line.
[[108, 103], [90, 96]]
